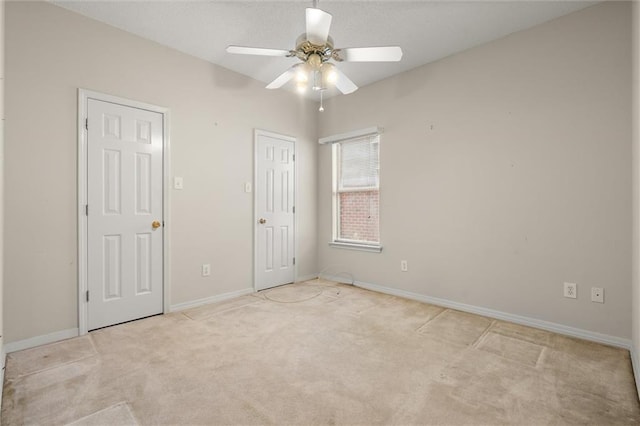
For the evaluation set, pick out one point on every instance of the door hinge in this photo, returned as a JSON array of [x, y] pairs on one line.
[[294, 157], [86, 123], [87, 295], [294, 260], [86, 209], [294, 209]]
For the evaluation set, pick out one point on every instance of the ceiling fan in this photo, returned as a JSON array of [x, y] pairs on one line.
[[315, 48]]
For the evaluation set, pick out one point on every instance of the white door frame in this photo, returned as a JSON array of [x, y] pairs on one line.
[[256, 134], [83, 98]]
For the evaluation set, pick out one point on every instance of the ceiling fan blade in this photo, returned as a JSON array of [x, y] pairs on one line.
[[257, 51], [282, 79], [369, 54], [318, 24], [343, 83]]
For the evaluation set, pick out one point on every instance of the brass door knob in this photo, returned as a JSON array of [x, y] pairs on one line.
[[155, 224], [262, 221]]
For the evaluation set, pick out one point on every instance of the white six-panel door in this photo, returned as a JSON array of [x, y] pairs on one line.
[[124, 193], [275, 178]]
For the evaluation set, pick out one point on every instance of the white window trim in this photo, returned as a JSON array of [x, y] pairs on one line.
[[373, 248], [335, 220], [369, 131]]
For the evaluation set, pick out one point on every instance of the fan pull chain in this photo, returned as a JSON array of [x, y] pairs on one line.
[[321, 107]]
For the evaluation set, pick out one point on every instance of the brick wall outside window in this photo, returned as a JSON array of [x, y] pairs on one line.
[[359, 218]]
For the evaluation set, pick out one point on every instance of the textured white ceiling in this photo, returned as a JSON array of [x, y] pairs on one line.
[[426, 30]]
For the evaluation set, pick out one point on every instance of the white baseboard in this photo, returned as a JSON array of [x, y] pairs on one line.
[[3, 356], [518, 319], [226, 296], [40, 340], [73, 332], [635, 363], [306, 277], [213, 299]]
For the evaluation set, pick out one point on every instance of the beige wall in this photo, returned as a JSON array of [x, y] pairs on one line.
[[505, 171], [1, 177], [51, 53], [635, 293]]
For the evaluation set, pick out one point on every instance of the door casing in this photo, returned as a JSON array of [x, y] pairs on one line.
[[83, 97], [256, 214]]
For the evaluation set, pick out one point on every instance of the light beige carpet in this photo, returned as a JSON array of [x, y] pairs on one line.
[[319, 353]]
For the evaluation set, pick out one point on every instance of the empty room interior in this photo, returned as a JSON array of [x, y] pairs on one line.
[[333, 212]]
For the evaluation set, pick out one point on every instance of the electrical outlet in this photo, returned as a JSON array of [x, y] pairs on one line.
[[571, 290], [206, 270], [404, 267], [597, 294], [247, 187]]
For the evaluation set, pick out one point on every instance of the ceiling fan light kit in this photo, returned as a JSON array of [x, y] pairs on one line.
[[315, 49]]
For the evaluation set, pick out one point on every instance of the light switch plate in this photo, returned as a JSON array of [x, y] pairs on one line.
[[177, 182], [206, 269], [247, 187]]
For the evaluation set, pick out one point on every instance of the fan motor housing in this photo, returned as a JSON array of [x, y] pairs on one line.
[[304, 48]]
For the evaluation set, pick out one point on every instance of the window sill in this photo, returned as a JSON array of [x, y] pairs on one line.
[[361, 247]]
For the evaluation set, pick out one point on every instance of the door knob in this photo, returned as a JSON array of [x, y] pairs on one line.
[[155, 224], [262, 221]]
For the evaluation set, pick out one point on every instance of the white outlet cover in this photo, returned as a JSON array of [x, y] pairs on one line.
[[597, 294], [571, 290], [247, 187]]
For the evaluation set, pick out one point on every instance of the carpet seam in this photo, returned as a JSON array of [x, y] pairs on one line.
[[22, 376], [431, 319], [482, 336], [125, 403]]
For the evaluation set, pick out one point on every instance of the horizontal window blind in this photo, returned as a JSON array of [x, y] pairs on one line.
[[359, 163]]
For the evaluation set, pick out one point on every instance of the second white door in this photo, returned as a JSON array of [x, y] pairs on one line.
[[275, 210]]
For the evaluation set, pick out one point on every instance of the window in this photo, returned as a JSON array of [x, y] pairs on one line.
[[356, 192]]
